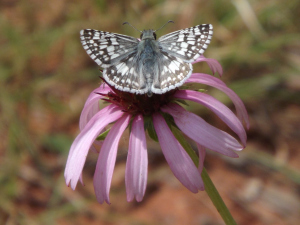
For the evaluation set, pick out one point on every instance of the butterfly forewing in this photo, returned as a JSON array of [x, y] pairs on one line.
[[107, 48], [188, 43]]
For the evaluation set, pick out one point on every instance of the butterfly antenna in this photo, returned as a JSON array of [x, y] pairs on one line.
[[132, 26], [170, 21]]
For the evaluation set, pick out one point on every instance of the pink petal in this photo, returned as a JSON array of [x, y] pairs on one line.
[[137, 161], [91, 106], [222, 111], [102, 89], [179, 161], [201, 152], [202, 132], [84, 140], [217, 83], [95, 148], [213, 64], [81, 179], [107, 159]]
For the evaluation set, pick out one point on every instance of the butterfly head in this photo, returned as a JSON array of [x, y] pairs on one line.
[[148, 34]]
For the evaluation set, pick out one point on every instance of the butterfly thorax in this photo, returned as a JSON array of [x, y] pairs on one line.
[[148, 34]]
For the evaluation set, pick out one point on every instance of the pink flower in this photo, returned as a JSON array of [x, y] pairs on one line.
[[127, 108]]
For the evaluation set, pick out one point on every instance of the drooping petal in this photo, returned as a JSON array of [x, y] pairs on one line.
[[217, 83], [91, 106], [202, 132], [179, 161], [102, 89], [81, 179], [84, 140], [201, 152], [137, 161], [107, 159], [95, 148], [213, 64], [222, 111]]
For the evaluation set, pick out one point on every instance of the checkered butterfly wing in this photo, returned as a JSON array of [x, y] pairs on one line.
[[107, 48], [117, 55], [179, 49], [187, 44]]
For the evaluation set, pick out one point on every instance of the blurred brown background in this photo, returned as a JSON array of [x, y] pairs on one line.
[[46, 77]]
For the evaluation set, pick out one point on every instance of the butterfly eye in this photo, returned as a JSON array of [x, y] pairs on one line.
[[154, 34]]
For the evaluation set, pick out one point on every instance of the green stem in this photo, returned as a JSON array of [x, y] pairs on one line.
[[209, 186], [216, 199]]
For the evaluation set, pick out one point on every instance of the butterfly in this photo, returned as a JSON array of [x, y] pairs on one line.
[[147, 66]]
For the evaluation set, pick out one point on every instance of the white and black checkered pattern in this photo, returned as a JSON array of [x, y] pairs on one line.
[[147, 65]]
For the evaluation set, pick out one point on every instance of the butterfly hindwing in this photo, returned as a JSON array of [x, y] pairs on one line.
[[172, 73], [126, 75]]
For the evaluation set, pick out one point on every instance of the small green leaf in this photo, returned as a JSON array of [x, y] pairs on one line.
[[183, 102], [102, 136], [170, 120], [148, 125]]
